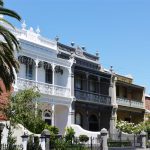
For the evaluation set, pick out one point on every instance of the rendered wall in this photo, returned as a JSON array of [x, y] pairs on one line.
[[61, 117]]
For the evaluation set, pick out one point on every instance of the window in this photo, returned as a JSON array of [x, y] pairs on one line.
[[78, 119], [48, 76], [125, 92], [78, 83], [48, 117], [29, 71], [92, 86], [104, 86], [117, 91]]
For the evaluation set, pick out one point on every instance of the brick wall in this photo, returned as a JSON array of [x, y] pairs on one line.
[[147, 103], [3, 98]]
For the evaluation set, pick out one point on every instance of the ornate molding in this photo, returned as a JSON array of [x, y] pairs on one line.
[[26, 60]]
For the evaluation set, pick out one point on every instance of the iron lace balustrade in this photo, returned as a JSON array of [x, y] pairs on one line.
[[44, 88], [92, 97], [130, 103]]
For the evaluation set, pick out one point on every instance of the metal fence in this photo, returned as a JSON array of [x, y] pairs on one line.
[[125, 140], [11, 147], [75, 144]]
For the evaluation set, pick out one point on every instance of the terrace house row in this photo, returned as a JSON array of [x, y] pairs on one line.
[[74, 87]]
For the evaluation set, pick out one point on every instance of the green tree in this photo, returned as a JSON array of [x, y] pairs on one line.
[[21, 109], [8, 44]]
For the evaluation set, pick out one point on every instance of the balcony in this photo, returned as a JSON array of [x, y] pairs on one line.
[[44, 88], [92, 97], [130, 103]]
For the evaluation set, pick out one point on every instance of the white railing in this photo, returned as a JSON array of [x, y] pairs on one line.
[[44, 88], [130, 103]]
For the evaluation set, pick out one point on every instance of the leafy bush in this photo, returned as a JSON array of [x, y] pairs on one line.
[[83, 138], [69, 134], [52, 129], [130, 128], [36, 126], [62, 144]]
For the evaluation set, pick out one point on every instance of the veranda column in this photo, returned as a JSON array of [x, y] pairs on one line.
[[87, 81], [69, 85], [99, 85], [36, 70], [36, 80], [112, 94], [53, 115], [99, 119], [53, 83], [72, 81], [87, 118], [71, 116]]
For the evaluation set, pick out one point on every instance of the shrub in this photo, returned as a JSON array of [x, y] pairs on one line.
[[53, 134], [83, 138], [52, 129], [69, 134], [130, 128]]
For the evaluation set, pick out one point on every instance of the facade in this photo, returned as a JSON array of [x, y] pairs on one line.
[[130, 100], [41, 68], [92, 105], [74, 87]]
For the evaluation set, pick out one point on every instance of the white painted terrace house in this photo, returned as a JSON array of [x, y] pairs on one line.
[[40, 67]]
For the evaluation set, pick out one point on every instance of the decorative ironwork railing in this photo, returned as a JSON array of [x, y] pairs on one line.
[[44, 88], [130, 103], [92, 97]]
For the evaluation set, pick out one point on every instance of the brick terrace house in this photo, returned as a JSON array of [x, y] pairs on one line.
[[3, 97], [147, 102], [147, 106]]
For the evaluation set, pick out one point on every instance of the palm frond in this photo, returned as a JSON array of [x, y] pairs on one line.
[[9, 38], [7, 63], [6, 22], [8, 44], [11, 13], [1, 3]]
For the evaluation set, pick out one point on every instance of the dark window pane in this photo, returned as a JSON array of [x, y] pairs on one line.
[[29, 71], [48, 76]]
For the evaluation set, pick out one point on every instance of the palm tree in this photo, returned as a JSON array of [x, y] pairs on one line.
[[8, 44]]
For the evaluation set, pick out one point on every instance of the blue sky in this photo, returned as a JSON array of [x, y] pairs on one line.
[[118, 29]]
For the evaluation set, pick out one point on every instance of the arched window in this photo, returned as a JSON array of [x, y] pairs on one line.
[[47, 115], [93, 123], [78, 119]]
